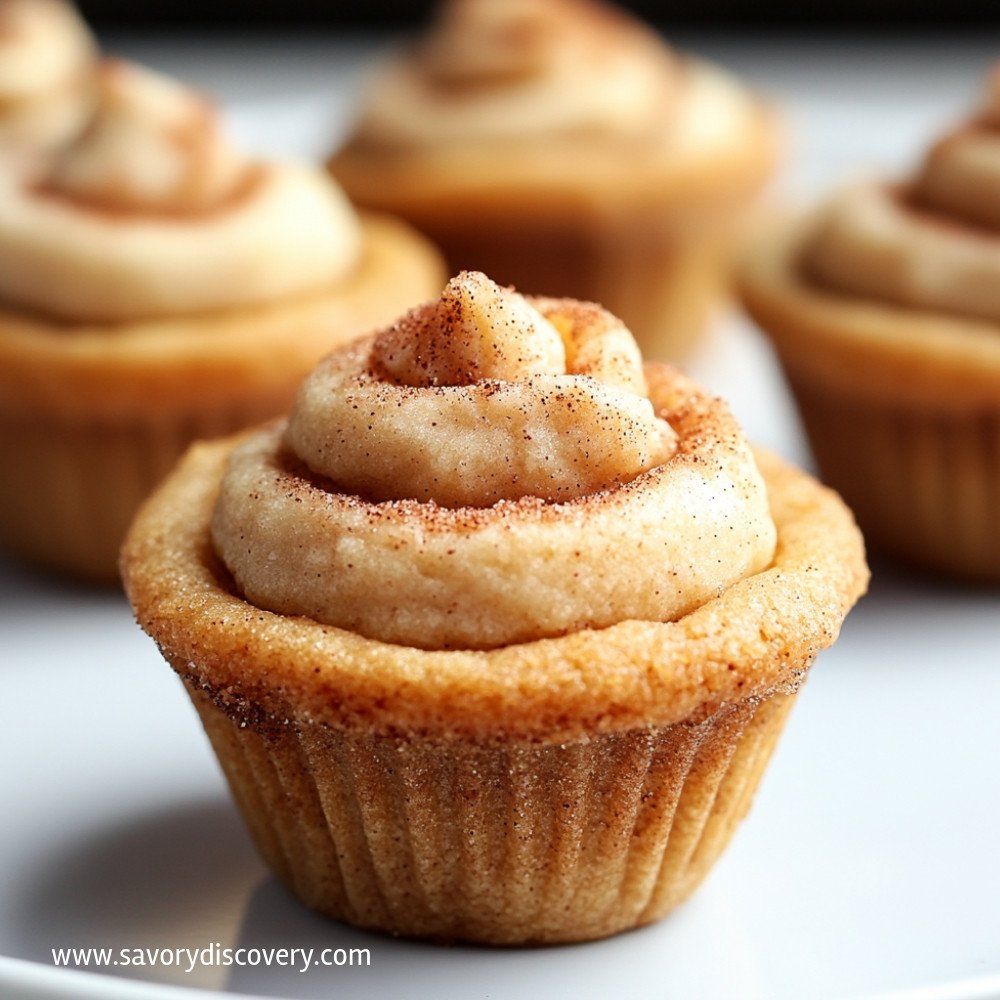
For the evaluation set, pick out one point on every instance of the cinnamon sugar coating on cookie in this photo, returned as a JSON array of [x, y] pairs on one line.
[[751, 640]]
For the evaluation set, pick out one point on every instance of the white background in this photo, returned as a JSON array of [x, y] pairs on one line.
[[870, 862]]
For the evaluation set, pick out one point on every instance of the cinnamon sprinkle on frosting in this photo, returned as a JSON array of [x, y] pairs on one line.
[[493, 469]]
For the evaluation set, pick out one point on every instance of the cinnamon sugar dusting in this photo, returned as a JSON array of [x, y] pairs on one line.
[[479, 43], [475, 332], [457, 481], [481, 401]]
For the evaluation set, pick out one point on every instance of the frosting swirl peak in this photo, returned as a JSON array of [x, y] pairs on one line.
[[46, 58], [153, 145], [478, 398]]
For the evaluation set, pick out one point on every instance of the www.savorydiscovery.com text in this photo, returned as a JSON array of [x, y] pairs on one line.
[[211, 956]]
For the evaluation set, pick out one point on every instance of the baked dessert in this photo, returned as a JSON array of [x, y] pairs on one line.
[[513, 684], [47, 61], [562, 147], [158, 286], [884, 309]]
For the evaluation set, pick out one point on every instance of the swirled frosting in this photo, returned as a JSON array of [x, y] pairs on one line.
[[150, 212], [46, 58], [152, 146], [523, 67], [492, 469], [930, 243]]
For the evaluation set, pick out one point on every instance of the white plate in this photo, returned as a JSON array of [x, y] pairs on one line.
[[867, 867]]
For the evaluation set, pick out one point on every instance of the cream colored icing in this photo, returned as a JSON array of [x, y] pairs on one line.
[[931, 243], [475, 399], [153, 145], [46, 57], [522, 68], [492, 470], [151, 213], [534, 70], [712, 108], [867, 242]]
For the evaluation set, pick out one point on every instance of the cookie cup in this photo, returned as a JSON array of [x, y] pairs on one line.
[[552, 791], [93, 416], [901, 407]]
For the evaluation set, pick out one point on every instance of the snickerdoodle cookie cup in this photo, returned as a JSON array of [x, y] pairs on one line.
[[500, 759], [883, 308], [158, 287], [564, 148]]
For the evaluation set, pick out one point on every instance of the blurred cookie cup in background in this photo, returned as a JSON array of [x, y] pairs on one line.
[[511, 685], [561, 146], [158, 286], [883, 305]]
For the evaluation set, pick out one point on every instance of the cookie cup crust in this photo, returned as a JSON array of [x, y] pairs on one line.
[[559, 790], [901, 406], [93, 416]]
